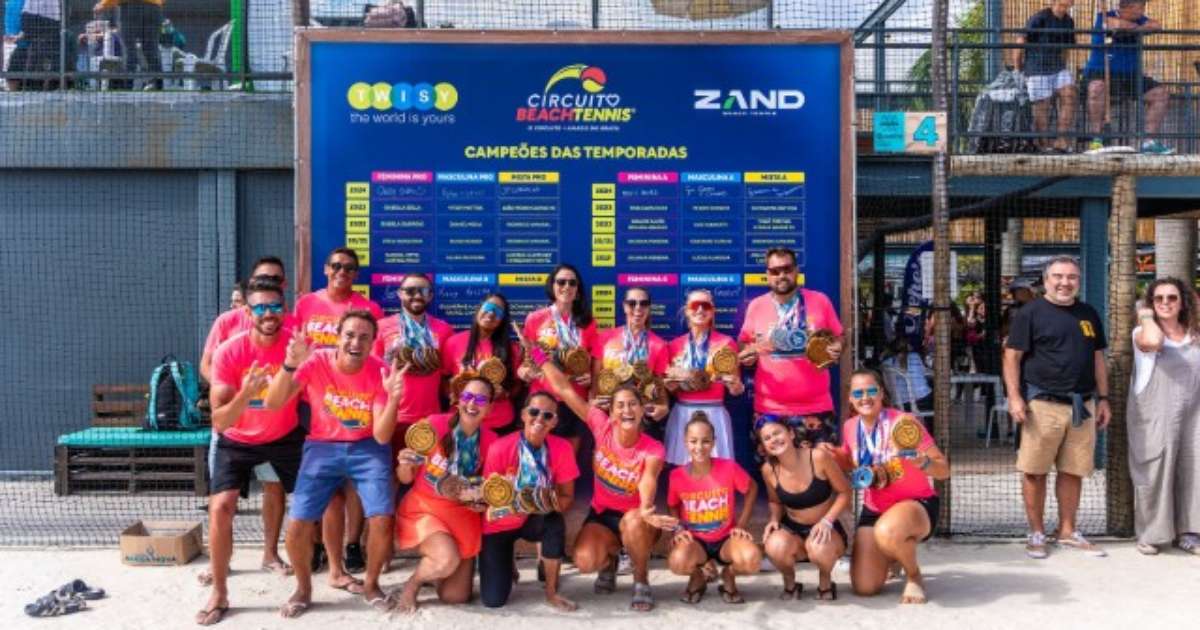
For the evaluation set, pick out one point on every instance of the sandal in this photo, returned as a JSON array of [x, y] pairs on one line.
[[278, 567], [792, 593], [210, 616], [80, 588], [52, 606], [606, 581], [643, 598], [382, 604], [730, 596], [1189, 543], [827, 594], [351, 585], [694, 597]]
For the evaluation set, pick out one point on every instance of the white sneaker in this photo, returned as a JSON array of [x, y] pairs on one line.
[[1035, 547], [624, 564], [1078, 542]]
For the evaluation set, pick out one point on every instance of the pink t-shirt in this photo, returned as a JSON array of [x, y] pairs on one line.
[[437, 466], [706, 505], [453, 352], [913, 484], [618, 469], [610, 348], [789, 385], [540, 331], [343, 405], [318, 315], [420, 391], [257, 424], [232, 322], [503, 458], [678, 349]]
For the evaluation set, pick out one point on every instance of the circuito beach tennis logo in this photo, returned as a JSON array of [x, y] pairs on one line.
[[577, 93]]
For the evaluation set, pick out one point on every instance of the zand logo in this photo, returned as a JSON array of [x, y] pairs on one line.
[[748, 102], [385, 96], [575, 94]]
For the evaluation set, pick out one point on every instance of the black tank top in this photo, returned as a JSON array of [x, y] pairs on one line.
[[817, 492]]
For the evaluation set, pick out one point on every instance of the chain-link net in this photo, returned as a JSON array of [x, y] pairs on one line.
[[146, 163]]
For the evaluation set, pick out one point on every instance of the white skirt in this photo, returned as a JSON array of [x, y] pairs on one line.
[[681, 413]]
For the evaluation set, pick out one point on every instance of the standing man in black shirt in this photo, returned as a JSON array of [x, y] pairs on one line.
[[1058, 391], [1044, 61]]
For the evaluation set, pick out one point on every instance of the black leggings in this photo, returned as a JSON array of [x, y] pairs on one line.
[[496, 558]]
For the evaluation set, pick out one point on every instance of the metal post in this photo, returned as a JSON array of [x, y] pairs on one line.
[[420, 11], [595, 14], [62, 45], [993, 22], [940, 204], [993, 231], [880, 65], [1122, 287], [955, 69], [1139, 125]]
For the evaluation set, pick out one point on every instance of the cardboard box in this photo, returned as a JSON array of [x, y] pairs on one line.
[[158, 543]]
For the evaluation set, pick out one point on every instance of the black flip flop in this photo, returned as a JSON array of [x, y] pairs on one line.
[[80, 588]]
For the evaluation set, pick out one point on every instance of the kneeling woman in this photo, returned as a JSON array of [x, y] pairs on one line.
[[806, 492], [900, 505], [701, 495], [625, 464], [446, 530], [530, 458]]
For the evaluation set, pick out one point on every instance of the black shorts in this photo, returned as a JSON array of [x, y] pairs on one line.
[[1123, 84], [713, 549], [611, 519], [867, 517], [496, 556], [803, 530], [569, 425], [234, 463]]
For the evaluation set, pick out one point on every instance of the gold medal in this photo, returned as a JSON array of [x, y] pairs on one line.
[[642, 373], [906, 433], [577, 361], [451, 486], [493, 370], [895, 470], [421, 437], [699, 381], [433, 359], [405, 355], [498, 492], [607, 382], [818, 349], [623, 372], [724, 361], [655, 391], [526, 502]]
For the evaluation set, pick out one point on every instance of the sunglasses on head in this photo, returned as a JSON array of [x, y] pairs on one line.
[[700, 306], [768, 418], [275, 308], [415, 291], [781, 270], [632, 303], [347, 267], [268, 277], [566, 282], [494, 309], [534, 413], [1167, 298], [871, 392], [478, 399]]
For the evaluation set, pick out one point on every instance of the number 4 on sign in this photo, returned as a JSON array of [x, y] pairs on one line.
[[925, 132]]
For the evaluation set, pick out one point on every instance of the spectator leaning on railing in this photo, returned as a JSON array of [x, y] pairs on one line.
[[1043, 58], [1126, 26], [139, 25]]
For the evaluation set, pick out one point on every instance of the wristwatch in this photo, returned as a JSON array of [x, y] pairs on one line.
[[1102, 398]]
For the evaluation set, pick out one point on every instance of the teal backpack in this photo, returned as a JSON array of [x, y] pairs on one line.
[[174, 392]]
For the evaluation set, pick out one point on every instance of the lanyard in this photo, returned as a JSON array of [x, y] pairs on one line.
[[568, 334], [635, 351], [466, 453], [868, 447], [793, 314], [416, 335], [532, 471], [696, 355]]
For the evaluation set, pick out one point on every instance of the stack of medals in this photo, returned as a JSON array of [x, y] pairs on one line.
[[568, 353], [869, 472], [790, 335], [906, 436], [695, 361], [422, 438], [415, 348], [503, 498], [491, 369]]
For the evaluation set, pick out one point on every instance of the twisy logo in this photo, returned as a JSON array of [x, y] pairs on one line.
[[590, 103], [402, 96], [745, 101]]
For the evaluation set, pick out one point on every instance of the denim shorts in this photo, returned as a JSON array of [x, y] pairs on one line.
[[327, 466]]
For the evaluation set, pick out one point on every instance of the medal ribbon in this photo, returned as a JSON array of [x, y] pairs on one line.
[[466, 453], [533, 470], [637, 351], [868, 448], [416, 334], [794, 313], [695, 356], [568, 334]]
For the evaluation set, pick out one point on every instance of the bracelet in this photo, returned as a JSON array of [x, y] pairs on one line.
[[1102, 398], [827, 521], [927, 463], [288, 368]]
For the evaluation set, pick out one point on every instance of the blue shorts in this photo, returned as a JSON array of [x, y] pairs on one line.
[[326, 466]]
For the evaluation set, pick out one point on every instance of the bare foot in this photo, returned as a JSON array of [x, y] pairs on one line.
[[296, 605], [561, 603], [407, 600], [213, 612], [914, 592], [347, 583]]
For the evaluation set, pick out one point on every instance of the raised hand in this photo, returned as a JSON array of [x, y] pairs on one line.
[[255, 379], [298, 350], [393, 383]]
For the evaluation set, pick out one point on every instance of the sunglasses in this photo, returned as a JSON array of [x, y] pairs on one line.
[[347, 267], [479, 399], [275, 308], [534, 413], [566, 282], [494, 309], [1168, 298], [268, 277], [415, 291], [637, 303], [781, 271], [870, 392], [700, 306]]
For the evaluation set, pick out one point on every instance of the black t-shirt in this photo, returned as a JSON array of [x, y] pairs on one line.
[[1045, 59], [1060, 344]]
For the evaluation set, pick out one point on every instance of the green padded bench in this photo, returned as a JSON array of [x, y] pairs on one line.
[[131, 459]]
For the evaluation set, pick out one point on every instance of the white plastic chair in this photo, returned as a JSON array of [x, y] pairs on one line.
[[892, 376], [1001, 407], [213, 60]]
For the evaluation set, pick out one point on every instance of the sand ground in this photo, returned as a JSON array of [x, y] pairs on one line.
[[971, 585]]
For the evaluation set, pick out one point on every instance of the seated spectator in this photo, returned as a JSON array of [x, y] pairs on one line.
[[1126, 26], [139, 26], [1044, 61], [909, 381]]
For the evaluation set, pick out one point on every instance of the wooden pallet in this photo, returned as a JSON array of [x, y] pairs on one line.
[[119, 405], [130, 469]]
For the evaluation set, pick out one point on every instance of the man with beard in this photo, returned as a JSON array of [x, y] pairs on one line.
[[354, 401], [249, 433], [774, 337], [415, 335]]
